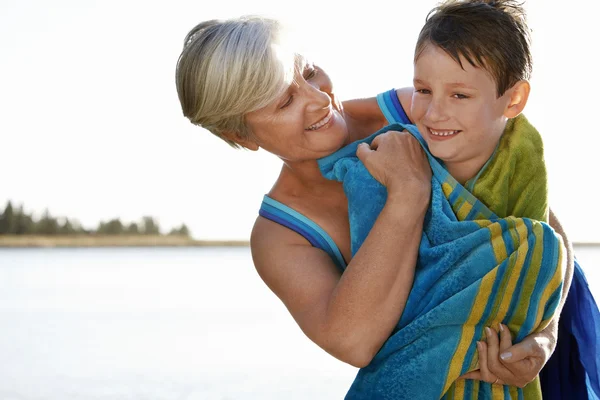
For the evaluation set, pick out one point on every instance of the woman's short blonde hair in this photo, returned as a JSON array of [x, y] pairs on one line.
[[229, 68]]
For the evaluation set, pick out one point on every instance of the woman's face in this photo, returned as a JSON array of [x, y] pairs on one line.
[[305, 123]]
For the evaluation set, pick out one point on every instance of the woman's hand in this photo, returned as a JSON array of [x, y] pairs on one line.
[[504, 364], [397, 161]]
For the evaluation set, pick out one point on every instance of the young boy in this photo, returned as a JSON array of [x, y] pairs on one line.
[[471, 69]]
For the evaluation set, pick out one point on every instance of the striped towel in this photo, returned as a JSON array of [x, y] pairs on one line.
[[474, 270]]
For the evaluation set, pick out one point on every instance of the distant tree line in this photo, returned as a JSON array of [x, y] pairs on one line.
[[14, 221]]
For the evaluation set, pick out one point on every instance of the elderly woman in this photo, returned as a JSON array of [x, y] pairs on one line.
[[238, 80]]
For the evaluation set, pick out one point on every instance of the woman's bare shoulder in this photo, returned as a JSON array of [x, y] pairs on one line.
[[268, 236], [274, 245], [302, 276]]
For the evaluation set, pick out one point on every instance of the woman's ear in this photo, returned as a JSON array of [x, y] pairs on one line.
[[519, 94], [244, 142]]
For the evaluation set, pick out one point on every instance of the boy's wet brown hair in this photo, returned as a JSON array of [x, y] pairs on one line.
[[491, 34]]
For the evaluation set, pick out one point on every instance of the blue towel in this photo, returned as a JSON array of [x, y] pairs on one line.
[[474, 270]]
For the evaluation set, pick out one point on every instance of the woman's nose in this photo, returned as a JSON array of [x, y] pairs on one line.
[[319, 99]]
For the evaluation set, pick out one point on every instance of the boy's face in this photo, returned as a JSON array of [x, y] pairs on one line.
[[456, 110]]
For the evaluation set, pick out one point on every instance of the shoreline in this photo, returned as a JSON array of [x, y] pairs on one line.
[[585, 244], [35, 241]]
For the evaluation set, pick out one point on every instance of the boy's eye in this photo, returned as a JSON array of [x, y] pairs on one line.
[[460, 96], [423, 91]]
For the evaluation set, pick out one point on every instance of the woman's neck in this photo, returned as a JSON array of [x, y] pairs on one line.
[[304, 178]]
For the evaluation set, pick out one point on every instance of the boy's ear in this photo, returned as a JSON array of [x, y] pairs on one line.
[[244, 142], [519, 94]]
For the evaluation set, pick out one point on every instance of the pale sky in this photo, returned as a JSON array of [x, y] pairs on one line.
[[91, 126]]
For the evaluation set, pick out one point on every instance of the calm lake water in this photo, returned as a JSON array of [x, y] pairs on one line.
[[159, 323]]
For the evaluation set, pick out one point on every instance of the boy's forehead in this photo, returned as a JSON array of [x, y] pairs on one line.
[[435, 62]]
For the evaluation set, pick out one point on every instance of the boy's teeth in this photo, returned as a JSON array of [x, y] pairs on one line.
[[442, 133]]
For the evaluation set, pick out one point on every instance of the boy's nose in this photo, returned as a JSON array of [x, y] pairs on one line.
[[436, 111]]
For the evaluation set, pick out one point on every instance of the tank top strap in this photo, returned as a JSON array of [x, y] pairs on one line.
[[280, 213]]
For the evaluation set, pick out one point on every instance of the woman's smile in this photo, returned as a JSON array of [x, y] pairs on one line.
[[322, 123]]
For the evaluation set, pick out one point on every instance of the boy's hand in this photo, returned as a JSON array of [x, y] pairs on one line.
[[504, 364]]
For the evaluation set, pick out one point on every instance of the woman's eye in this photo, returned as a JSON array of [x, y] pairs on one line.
[[310, 73], [287, 103]]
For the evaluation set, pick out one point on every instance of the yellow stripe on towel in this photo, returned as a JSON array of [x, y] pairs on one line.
[[518, 258], [468, 330]]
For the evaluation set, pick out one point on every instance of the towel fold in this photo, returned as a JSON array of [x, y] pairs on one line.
[[514, 180]]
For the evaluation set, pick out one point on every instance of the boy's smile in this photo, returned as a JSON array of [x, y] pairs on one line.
[[440, 134], [457, 111]]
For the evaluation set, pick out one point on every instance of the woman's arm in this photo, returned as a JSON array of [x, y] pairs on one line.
[[351, 315]]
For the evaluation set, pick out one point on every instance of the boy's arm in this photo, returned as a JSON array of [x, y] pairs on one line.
[[366, 111], [405, 96]]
